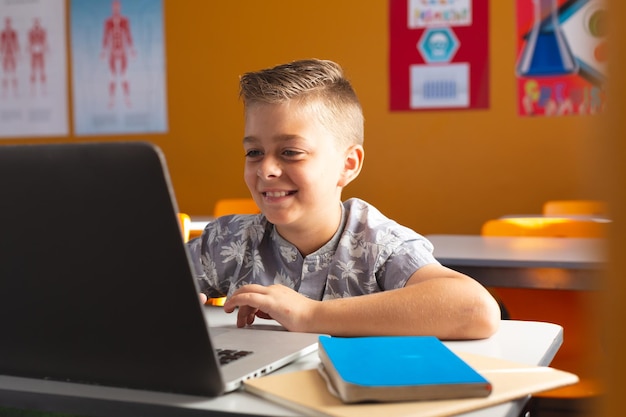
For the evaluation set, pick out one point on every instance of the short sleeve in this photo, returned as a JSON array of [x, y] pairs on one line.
[[400, 263]]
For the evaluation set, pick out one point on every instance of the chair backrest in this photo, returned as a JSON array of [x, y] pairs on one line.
[[185, 224], [227, 206], [596, 208], [545, 226]]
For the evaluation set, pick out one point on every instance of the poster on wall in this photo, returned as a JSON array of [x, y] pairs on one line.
[[438, 54], [33, 68], [561, 57], [118, 66]]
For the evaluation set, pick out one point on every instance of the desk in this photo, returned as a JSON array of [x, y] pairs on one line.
[[197, 225], [511, 342], [525, 262]]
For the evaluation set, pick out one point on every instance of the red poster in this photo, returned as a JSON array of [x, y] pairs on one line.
[[561, 57], [438, 54]]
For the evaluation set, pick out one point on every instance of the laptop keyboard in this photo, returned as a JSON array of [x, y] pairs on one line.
[[229, 355]]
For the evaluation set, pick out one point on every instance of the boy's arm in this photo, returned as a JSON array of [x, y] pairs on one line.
[[435, 301]]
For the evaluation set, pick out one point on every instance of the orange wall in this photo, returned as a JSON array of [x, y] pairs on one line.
[[438, 172]]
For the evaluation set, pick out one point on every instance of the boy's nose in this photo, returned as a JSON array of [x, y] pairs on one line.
[[269, 168]]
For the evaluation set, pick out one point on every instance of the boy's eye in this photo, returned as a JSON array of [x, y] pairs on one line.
[[253, 153], [291, 153]]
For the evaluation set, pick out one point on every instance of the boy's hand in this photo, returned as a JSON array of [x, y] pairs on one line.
[[291, 309]]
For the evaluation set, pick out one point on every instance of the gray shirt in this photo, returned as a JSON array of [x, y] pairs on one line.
[[369, 253]]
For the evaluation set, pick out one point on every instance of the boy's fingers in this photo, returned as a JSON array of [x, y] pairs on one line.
[[245, 316]]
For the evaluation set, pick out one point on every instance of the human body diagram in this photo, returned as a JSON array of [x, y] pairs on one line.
[[9, 52], [117, 46]]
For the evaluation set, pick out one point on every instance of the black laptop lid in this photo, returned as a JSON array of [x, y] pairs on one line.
[[95, 281]]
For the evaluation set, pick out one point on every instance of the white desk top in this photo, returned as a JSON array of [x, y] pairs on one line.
[[531, 343], [529, 262]]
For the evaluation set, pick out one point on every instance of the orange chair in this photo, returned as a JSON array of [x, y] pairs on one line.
[[546, 226], [227, 206], [581, 351], [596, 208], [185, 222]]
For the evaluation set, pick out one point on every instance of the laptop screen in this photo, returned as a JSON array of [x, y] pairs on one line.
[[95, 281]]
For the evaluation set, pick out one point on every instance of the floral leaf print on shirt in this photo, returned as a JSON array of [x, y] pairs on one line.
[[289, 253], [250, 228], [284, 279], [235, 252], [255, 262], [348, 271], [356, 245], [217, 233]]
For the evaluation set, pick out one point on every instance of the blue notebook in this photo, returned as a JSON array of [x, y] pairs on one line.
[[397, 368]]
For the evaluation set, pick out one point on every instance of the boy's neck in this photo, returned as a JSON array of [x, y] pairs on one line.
[[311, 237]]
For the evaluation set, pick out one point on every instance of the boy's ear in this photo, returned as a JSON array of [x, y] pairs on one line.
[[353, 163]]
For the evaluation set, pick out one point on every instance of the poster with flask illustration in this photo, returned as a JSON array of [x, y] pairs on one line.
[[561, 57]]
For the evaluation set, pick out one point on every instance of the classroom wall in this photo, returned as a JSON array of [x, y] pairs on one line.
[[435, 171]]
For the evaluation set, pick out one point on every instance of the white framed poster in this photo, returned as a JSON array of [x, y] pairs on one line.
[[33, 68], [118, 66]]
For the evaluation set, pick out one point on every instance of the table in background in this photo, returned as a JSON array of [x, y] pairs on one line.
[[197, 225], [531, 343], [525, 262]]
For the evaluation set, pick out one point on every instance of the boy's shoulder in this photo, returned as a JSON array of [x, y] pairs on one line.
[[356, 204], [364, 212], [363, 215], [366, 223]]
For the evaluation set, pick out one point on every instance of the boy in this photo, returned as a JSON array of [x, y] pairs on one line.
[[309, 261]]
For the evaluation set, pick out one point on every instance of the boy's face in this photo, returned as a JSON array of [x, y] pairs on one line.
[[294, 168]]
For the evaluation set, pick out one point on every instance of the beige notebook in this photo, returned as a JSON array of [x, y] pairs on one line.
[[306, 391]]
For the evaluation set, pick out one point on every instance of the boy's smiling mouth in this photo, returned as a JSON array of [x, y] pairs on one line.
[[277, 194]]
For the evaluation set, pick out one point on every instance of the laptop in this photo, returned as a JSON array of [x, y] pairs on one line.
[[96, 284]]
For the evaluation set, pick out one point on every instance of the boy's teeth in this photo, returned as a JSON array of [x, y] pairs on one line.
[[276, 193]]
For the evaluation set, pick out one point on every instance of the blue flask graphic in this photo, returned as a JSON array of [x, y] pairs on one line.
[[547, 52]]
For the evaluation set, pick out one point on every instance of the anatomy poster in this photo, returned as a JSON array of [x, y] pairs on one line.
[[118, 66], [33, 68], [439, 54], [561, 57]]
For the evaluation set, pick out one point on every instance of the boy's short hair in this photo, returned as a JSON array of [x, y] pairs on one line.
[[319, 84]]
